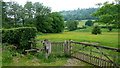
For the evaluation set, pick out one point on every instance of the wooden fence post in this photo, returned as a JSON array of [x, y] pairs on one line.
[[67, 47], [47, 47]]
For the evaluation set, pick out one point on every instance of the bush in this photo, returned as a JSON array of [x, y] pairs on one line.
[[89, 23], [96, 30], [20, 37], [7, 53], [72, 25]]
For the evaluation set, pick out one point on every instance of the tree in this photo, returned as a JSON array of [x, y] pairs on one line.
[[108, 14], [89, 23], [96, 30], [50, 23], [10, 15], [72, 25], [57, 22], [32, 14], [29, 9], [13, 11]]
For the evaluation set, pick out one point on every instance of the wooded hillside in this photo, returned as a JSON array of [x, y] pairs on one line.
[[79, 14]]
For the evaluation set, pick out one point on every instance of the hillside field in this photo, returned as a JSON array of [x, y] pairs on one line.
[[109, 39]]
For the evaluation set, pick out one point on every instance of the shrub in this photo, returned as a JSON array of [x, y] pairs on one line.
[[7, 53], [20, 37], [89, 23], [96, 30], [7, 56], [110, 28], [72, 25]]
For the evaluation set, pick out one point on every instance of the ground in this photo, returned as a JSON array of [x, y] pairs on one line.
[[75, 62], [109, 39]]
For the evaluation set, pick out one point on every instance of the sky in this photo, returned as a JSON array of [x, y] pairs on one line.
[[59, 5]]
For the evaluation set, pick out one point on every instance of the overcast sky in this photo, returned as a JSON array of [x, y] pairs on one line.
[[59, 5]]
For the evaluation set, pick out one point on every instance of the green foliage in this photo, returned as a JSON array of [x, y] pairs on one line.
[[32, 15], [19, 37], [8, 53], [30, 22], [96, 30], [72, 25], [79, 14], [7, 57], [57, 22], [89, 23], [108, 14], [42, 58], [15, 15], [50, 23]]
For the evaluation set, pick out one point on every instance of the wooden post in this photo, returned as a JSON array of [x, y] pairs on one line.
[[47, 47], [31, 39], [67, 47]]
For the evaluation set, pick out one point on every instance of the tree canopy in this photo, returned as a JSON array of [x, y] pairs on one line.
[[31, 14], [72, 25], [109, 13], [79, 14]]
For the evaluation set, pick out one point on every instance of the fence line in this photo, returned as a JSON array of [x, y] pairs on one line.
[[95, 60], [84, 52]]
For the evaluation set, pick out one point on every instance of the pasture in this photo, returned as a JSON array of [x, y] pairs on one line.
[[109, 39]]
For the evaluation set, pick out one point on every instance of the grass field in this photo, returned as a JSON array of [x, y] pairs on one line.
[[109, 39], [81, 23]]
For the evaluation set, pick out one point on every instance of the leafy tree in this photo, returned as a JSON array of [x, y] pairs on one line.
[[29, 9], [89, 23], [57, 22], [108, 14], [72, 25], [50, 23], [32, 14], [13, 11], [96, 30], [10, 15]]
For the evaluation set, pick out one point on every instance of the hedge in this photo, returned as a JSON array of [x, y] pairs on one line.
[[19, 37]]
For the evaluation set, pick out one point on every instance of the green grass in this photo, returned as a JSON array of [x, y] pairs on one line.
[[109, 39], [81, 23], [24, 61]]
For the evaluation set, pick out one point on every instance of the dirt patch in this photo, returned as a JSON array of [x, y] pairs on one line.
[[84, 42], [16, 60], [95, 43], [35, 60], [74, 62]]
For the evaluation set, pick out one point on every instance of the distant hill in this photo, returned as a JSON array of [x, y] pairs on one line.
[[79, 14]]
